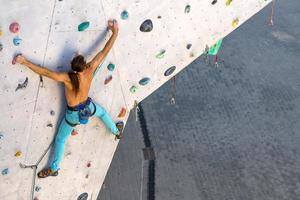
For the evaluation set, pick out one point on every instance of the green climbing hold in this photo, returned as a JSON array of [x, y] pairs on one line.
[[161, 54], [187, 9], [124, 15], [111, 67], [214, 49], [83, 26], [144, 81], [133, 89]]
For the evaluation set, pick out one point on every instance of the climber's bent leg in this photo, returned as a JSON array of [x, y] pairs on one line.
[[107, 120]]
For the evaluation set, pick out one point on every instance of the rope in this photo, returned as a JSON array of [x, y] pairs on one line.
[[271, 23], [173, 90]]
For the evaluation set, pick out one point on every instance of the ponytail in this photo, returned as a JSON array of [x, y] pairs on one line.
[[75, 81]]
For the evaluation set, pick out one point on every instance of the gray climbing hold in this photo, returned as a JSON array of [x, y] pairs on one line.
[[5, 171], [188, 46], [124, 15], [1, 47], [146, 26], [144, 81], [169, 71], [187, 9], [52, 112], [111, 67], [161, 54], [214, 2], [17, 41], [37, 188], [83, 196], [23, 85]]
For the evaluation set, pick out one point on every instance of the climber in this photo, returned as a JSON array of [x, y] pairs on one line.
[[79, 106]]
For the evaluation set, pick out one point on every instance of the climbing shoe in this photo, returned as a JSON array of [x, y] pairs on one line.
[[47, 172], [120, 126]]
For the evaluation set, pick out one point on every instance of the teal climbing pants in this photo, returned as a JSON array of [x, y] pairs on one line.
[[72, 118]]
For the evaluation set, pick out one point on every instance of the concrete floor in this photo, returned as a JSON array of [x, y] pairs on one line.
[[234, 131]]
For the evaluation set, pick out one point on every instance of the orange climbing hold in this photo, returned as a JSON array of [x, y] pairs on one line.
[[122, 113]]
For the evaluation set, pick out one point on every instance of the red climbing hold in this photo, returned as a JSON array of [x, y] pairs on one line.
[[14, 27], [74, 132], [122, 113], [14, 60], [108, 79]]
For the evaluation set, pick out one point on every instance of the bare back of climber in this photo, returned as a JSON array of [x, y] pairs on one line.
[[79, 106]]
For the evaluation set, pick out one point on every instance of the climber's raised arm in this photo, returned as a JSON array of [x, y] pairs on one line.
[[98, 59], [57, 76]]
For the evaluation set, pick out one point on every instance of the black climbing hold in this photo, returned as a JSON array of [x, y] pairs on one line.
[[50, 125], [146, 26], [214, 2], [169, 71], [1, 135], [5, 171], [187, 9], [52, 112], [144, 81], [1, 47], [188, 46], [83, 196], [37, 188], [23, 85]]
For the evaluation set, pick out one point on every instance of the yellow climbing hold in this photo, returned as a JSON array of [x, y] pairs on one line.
[[228, 2], [18, 153], [235, 22], [1, 32]]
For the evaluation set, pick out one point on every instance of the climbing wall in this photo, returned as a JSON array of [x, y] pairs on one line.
[[157, 39]]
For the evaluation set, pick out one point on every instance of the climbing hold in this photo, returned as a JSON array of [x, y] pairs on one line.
[[122, 113], [17, 41], [214, 2], [144, 81], [235, 22], [83, 26], [50, 125], [133, 89], [23, 85], [188, 46], [124, 15], [158, 17], [18, 153], [215, 48], [89, 164], [192, 55], [161, 54], [35, 198], [1, 135], [228, 2], [187, 9], [14, 60], [5, 171], [146, 26], [111, 67], [52, 112], [169, 71], [1, 47], [38, 188], [14, 27], [74, 132], [108, 79], [1, 32], [87, 176], [83, 196]]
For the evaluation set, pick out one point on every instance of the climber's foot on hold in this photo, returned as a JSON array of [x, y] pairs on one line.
[[120, 126], [47, 172]]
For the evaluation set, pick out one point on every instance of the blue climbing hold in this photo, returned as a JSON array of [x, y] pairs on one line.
[[5, 171], [144, 81], [17, 41], [146, 26], [170, 71], [124, 15], [111, 67], [83, 26]]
